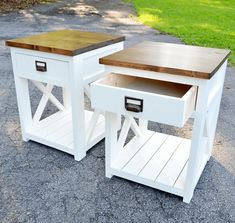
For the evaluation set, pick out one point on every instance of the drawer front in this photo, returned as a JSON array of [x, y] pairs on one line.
[[42, 69], [155, 107]]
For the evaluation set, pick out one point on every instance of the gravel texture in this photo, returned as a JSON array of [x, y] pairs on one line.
[[40, 184]]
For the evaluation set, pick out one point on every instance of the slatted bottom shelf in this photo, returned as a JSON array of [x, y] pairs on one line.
[[56, 131], [156, 160]]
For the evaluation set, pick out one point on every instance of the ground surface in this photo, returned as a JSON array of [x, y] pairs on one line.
[[203, 22], [40, 184], [11, 5]]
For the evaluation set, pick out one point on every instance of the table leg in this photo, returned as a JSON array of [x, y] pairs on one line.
[[24, 105], [66, 98], [213, 110], [23, 100], [77, 107], [111, 148], [196, 150]]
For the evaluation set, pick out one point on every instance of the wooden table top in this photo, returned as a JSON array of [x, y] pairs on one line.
[[170, 58], [65, 42]]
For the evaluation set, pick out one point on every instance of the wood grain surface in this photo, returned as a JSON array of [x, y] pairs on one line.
[[193, 61], [65, 42]]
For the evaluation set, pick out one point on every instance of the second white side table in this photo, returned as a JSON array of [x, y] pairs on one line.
[[166, 83]]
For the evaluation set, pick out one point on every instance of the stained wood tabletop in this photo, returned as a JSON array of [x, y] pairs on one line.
[[193, 61], [66, 42]]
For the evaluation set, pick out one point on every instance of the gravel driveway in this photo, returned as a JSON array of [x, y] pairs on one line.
[[40, 184]]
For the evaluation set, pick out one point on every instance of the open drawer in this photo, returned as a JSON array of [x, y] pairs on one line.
[[159, 101]]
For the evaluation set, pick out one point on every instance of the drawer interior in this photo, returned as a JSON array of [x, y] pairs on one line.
[[146, 85]]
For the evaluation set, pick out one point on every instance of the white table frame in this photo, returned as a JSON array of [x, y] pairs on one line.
[[84, 128], [204, 127]]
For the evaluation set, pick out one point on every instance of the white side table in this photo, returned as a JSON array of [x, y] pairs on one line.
[[68, 59], [165, 83]]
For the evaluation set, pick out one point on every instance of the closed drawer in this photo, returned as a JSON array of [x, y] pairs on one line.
[[42, 69], [159, 101]]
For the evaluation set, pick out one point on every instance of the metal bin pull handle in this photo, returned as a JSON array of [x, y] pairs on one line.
[[41, 66], [134, 104]]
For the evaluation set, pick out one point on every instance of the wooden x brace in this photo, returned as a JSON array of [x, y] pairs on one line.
[[47, 95], [129, 122]]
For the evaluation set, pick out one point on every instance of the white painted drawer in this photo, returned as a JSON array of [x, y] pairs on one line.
[[32, 67], [163, 102]]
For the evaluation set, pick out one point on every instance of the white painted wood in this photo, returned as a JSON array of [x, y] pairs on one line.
[[65, 130], [130, 150], [196, 151], [42, 103], [98, 134], [124, 131], [135, 161], [154, 75], [154, 167], [23, 100], [77, 107], [92, 125], [57, 130], [143, 124], [147, 182], [213, 115], [136, 129], [66, 98], [52, 122], [143, 156], [172, 110], [180, 182], [48, 94], [175, 165], [175, 169], [56, 69], [111, 148]]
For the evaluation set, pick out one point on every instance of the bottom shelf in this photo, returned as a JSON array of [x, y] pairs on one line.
[[56, 131], [156, 160]]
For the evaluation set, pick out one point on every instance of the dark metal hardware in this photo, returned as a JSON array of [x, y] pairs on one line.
[[41, 66], [134, 104]]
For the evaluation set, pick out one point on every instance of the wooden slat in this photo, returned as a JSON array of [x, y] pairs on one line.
[[170, 58], [61, 132], [143, 156], [51, 119], [160, 158], [176, 164], [51, 127], [180, 182], [131, 149], [67, 139], [66, 42]]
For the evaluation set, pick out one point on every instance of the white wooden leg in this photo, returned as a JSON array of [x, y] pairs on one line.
[[24, 106], [196, 151], [111, 147], [66, 98], [92, 125], [211, 123], [220, 75], [23, 100], [77, 106]]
